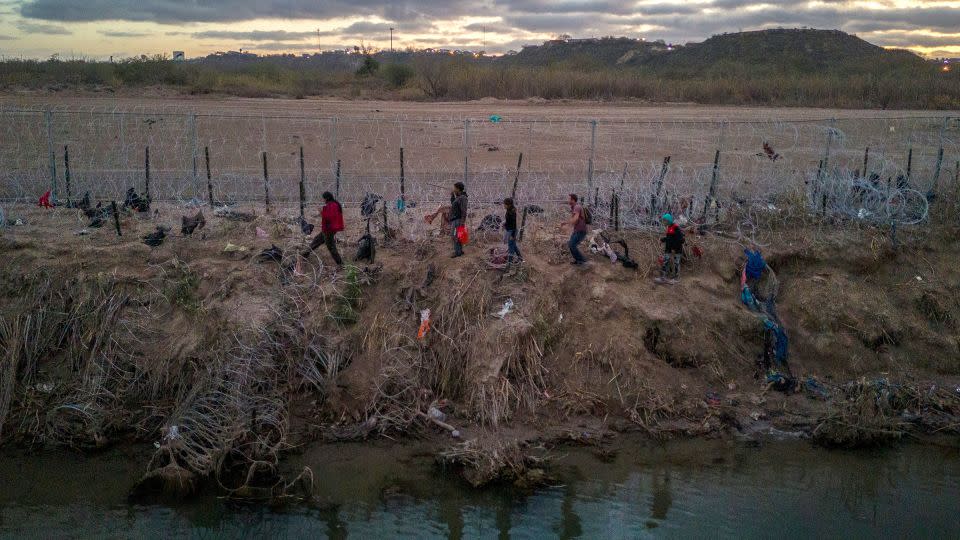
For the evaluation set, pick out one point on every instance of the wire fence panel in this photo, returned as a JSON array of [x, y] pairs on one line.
[[869, 168]]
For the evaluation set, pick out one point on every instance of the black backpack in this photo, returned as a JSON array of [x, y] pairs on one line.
[[366, 248]]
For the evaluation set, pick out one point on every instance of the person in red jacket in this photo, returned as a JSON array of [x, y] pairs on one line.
[[331, 222]]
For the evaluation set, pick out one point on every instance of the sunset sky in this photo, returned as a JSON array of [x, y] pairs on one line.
[[103, 28]]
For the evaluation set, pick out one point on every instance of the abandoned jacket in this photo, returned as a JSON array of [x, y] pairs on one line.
[[458, 207], [331, 217], [673, 241]]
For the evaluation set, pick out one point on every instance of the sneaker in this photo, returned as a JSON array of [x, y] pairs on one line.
[[455, 255]]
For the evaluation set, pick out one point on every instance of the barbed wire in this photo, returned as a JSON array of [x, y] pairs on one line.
[[683, 164]]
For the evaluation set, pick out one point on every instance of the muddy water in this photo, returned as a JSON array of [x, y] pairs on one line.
[[700, 489]]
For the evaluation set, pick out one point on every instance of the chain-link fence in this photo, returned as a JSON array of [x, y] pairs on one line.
[[870, 168]]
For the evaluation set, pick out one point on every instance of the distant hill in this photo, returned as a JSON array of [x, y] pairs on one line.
[[599, 52], [795, 51]]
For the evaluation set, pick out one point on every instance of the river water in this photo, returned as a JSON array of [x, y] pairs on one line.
[[710, 489]]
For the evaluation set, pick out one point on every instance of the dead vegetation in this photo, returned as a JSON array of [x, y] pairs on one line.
[[225, 364]]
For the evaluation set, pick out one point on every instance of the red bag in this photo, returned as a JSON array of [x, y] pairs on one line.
[[462, 235]]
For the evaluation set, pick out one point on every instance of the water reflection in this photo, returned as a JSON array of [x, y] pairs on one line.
[[569, 520], [698, 489], [661, 500]]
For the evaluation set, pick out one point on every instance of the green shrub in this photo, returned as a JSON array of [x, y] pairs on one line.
[[398, 75], [369, 66]]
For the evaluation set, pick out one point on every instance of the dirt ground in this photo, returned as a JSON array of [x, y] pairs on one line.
[[599, 348], [159, 100]]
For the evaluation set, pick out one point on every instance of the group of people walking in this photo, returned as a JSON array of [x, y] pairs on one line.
[[331, 215]]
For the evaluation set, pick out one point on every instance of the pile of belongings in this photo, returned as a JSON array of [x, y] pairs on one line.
[[98, 215], [758, 292], [226, 212], [136, 202], [366, 248], [155, 238], [271, 254], [601, 245], [369, 204], [306, 227], [490, 222], [190, 224]]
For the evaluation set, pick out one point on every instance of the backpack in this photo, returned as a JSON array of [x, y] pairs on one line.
[[587, 215], [366, 248]]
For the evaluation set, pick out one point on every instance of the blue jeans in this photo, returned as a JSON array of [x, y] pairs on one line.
[[575, 240], [510, 238]]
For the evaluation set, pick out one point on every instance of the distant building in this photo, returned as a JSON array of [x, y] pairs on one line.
[[178, 56]]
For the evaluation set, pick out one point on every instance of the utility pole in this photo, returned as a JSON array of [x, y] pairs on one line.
[[391, 39], [319, 46]]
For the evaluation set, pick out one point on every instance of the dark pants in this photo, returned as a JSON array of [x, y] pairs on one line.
[[575, 240], [671, 265], [330, 240], [457, 246], [510, 237]]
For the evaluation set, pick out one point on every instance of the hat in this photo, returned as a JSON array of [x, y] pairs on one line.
[[668, 218]]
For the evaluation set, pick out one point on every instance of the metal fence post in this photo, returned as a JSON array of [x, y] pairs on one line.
[[936, 170], [66, 170], [48, 117], [193, 153], [333, 151], [826, 151], [593, 147]]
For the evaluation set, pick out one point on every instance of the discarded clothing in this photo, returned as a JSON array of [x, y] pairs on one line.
[[44, 201], [271, 254], [155, 238], [624, 257], [136, 202], [306, 227], [190, 224], [366, 249], [781, 382], [226, 213], [490, 222], [755, 264], [369, 204]]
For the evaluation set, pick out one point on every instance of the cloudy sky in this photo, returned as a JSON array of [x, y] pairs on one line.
[[103, 28]]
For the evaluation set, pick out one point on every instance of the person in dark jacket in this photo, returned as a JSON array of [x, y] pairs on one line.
[[458, 215], [673, 250], [331, 222], [510, 230]]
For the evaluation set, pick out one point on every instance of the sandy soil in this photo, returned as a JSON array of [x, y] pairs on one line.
[[480, 109]]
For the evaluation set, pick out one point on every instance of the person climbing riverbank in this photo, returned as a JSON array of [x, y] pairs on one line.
[[331, 222], [458, 216], [578, 221], [672, 251]]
